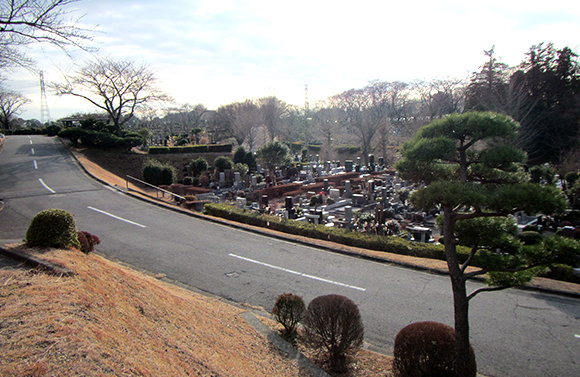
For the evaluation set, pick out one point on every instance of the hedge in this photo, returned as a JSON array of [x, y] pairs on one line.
[[200, 148], [394, 245]]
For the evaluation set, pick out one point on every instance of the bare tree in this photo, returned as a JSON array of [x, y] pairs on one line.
[[440, 97], [274, 111], [120, 88], [366, 111], [351, 106], [187, 119], [10, 104], [241, 120], [23, 22]]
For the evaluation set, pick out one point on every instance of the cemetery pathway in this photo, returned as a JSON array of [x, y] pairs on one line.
[[514, 332]]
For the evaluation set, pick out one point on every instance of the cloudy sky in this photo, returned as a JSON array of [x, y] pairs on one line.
[[216, 52]]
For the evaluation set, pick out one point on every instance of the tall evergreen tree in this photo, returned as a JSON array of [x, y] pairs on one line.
[[489, 88], [474, 175], [551, 126]]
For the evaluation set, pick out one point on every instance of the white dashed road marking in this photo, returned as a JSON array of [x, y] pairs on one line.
[[46, 186], [116, 217], [298, 273]]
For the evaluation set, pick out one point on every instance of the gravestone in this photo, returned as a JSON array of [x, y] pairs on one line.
[[347, 189]]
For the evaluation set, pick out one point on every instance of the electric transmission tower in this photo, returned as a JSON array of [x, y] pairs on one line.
[[44, 113]]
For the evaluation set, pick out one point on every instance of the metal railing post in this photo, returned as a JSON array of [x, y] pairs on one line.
[[163, 192]]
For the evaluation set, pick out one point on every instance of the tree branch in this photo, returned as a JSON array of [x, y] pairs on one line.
[[485, 289]]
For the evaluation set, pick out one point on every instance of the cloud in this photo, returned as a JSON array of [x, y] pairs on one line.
[[215, 52]]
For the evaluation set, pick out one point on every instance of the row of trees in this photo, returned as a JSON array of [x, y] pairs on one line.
[[542, 94]]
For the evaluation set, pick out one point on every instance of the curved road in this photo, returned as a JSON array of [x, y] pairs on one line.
[[514, 333]]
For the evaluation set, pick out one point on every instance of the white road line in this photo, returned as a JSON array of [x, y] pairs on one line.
[[576, 336], [35, 165], [46, 186], [298, 273], [116, 217], [30, 140], [32, 151]]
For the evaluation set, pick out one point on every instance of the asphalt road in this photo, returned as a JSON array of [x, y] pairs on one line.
[[514, 333]]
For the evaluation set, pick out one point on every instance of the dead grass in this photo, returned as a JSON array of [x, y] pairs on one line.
[[112, 321], [109, 320]]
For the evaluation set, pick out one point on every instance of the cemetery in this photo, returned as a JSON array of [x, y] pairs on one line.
[[351, 195]]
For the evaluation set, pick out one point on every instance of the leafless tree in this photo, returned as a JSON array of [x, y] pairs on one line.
[[241, 120], [10, 104], [440, 97], [274, 112], [120, 88], [23, 22], [366, 111], [187, 118]]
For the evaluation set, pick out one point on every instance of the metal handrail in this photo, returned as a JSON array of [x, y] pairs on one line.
[[152, 186]]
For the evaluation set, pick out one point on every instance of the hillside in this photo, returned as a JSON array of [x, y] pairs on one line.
[[110, 320]]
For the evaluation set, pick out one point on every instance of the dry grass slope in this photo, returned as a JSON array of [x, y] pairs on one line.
[[108, 320]]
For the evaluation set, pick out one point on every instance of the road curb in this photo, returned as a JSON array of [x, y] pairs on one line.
[[311, 243], [35, 262]]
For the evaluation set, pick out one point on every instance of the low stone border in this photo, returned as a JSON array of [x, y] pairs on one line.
[[35, 262], [291, 352]]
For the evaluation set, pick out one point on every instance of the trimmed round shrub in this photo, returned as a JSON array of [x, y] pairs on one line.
[[52, 228], [530, 238], [198, 166], [427, 349], [288, 311], [157, 173], [333, 324], [87, 241], [222, 163]]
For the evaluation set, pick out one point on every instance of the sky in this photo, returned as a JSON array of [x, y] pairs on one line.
[[216, 52]]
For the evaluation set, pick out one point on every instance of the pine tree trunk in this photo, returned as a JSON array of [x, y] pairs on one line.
[[460, 302]]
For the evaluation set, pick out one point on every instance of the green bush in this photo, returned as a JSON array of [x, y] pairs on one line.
[[158, 150], [129, 142], [351, 149], [315, 147], [52, 228], [199, 148], [105, 140], [333, 324], [222, 163], [530, 237], [73, 134], [427, 349], [52, 130], [367, 241], [288, 310], [198, 166], [158, 173], [561, 272]]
